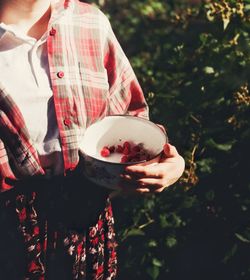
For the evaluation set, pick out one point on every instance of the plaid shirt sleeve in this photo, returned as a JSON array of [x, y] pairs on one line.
[[126, 95], [18, 158]]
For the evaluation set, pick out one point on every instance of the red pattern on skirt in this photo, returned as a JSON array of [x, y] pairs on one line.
[[90, 254]]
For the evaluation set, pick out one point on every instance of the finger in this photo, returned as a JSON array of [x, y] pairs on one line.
[[154, 187], [130, 184], [150, 183], [132, 178], [170, 150], [129, 177], [142, 190], [151, 171], [128, 181], [157, 188]]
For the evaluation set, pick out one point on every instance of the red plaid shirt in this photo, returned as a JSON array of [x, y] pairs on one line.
[[91, 78]]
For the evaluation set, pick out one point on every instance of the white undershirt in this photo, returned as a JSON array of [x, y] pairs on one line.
[[25, 76]]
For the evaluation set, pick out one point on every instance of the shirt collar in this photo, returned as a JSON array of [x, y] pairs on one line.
[[59, 8], [10, 32]]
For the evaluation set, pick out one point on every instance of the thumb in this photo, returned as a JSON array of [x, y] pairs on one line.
[[169, 150]]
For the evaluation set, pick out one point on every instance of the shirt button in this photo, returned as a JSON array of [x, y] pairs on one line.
[[67, 122], [66, 4], [52, 32], [60, 74]]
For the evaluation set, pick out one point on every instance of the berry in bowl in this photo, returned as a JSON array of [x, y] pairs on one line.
[[111, 144]]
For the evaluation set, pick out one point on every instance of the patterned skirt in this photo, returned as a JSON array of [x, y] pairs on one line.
[[46, 238]]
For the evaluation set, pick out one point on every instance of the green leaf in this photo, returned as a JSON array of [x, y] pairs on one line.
[[163, 221], [247, 7], [210, 195], [230, 253], [136, 232], [203, 38], [208, 70], [242, 238], [152, 244], [206, 165], [222, 147], [157, 262], [189, 201], [171, 241], [153, 272]]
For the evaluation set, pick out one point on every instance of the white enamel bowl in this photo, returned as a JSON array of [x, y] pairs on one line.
[[114, 130]]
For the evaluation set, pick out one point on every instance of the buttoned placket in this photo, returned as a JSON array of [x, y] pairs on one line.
[[60, 75], [65, 117]]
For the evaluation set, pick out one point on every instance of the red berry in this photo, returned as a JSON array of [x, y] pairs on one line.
[[119, 149], [126, 144], [124, 159], [105, 152], [136, 149], [130, 151], [112, 149], [132, 154], [126, 151]]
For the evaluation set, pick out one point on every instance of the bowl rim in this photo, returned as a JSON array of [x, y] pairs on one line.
[[81, 152]]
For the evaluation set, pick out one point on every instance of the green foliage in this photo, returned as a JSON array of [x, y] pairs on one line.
[[192, 59]]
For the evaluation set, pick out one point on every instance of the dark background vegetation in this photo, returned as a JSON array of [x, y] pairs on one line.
[[192, 59]]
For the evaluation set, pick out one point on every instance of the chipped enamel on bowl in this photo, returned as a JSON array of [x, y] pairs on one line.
[[115, 130]]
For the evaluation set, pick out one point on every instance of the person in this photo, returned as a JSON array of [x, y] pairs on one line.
[[62, 69]]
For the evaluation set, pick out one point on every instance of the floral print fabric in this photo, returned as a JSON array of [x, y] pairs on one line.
[[57, 252]]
